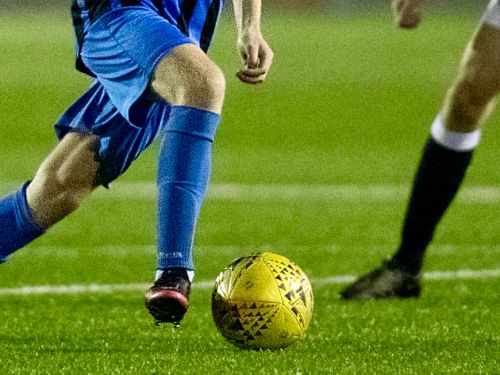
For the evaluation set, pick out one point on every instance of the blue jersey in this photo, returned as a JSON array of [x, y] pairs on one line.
[[195, 18]]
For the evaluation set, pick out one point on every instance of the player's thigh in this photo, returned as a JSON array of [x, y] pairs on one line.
[[187, 76], [122, 49]]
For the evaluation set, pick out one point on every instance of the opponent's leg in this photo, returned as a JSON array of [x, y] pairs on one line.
[[445, 159], [194, 85], [454, 136], [62, 181]]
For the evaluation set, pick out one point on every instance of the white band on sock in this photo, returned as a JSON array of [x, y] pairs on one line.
[[455, 141]]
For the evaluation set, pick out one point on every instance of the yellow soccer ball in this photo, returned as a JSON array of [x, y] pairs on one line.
[[262, 301]]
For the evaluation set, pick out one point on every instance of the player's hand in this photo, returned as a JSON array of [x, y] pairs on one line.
[[256, 55], [407, 13]]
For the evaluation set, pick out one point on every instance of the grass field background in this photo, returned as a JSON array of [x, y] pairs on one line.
[[348, 103]]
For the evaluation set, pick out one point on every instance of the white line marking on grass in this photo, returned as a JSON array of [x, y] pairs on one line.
[[462, 274], [128, 250], [146, 190], [261, 192], [434, 275], [265, 192], [207, 284], [71, 289]]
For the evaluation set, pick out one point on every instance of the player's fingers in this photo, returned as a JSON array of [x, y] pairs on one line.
[[253, 72], [243, 55], [248, 79], [252, 60], [266, 59]]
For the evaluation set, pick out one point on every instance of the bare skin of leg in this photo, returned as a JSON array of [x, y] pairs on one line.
[[186, 76], [471, 98], [65, 177]]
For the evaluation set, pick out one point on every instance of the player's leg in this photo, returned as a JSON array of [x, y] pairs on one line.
[[446, 156], [131, 50], [194, 86], [188, 77], [66, 176]]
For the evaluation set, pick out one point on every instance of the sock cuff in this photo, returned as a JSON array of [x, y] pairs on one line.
[[452, 140], [193, 121], [23, 212]]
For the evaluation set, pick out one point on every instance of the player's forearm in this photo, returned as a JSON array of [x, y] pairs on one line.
[[247, 14]]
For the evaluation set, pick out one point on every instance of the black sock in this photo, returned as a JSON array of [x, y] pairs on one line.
[[438, 178]]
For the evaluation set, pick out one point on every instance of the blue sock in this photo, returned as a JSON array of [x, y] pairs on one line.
[[183, 175], [17, 227]]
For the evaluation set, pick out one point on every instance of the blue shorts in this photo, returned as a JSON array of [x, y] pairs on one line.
[[122, 49]]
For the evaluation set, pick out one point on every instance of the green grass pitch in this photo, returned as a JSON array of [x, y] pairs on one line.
[[315, 164]]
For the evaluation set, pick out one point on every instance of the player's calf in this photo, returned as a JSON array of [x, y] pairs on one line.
[[64, 179], [466, 104], [183, 175], [470, 98]]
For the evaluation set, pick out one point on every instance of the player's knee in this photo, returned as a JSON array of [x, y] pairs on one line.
[[205, 89], [211, 86], [196, 84]]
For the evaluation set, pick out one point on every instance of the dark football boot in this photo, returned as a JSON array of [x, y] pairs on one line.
[[168, 299], [386, 281]]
